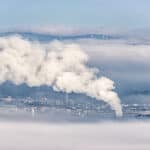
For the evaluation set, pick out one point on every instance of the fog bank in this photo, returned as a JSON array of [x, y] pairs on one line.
[[106, 136]]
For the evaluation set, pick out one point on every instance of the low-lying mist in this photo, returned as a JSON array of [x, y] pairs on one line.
[[106, 136]]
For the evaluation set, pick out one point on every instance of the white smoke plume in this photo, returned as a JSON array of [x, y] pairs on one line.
[[62, 66]]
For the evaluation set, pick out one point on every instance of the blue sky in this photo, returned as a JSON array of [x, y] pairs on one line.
[[86, 13]]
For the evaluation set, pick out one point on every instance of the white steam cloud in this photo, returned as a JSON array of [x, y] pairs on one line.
[[62, 66]]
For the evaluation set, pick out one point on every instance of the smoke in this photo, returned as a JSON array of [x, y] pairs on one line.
[[62, 66]]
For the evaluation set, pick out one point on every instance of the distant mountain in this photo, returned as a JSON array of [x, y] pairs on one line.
[[49, 37]]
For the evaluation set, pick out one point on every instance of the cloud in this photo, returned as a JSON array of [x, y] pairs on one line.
[[106, 136], [115, 50], [62, 66]]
